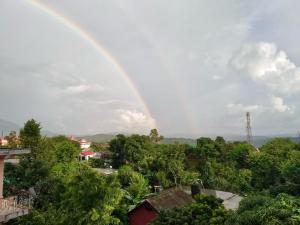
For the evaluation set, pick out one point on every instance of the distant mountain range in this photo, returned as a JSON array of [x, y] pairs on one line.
[[257, 140], [7, 126], [98, 138]]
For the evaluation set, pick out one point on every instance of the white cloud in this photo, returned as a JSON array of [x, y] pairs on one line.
[[133, 120], [267, 65], [275, 104], [216, 77], [240, 108], [77, 89], [278, 104], [83, 88]]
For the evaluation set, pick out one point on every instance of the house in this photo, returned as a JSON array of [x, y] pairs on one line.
[[3, 141], [86, 151], [149, 209], [230, 200], [85, 155], [84, 144]]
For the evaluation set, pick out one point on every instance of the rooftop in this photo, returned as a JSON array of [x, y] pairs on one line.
[[230, 200], [169, 199], [85, 153], [105, 171]]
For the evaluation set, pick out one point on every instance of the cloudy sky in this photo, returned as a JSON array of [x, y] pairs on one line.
[[186, 67]]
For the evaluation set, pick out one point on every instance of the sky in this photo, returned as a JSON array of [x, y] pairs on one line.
[[187, 68]]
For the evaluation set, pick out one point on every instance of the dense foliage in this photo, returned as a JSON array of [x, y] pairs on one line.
[[71, 192], [206, 210], [264, 210]]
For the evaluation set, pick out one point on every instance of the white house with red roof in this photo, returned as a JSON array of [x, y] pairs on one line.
[[85, 155], [84, 144], [86, 151]]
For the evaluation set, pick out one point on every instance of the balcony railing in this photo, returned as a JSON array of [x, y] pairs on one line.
[[14, 206], [10, 152]]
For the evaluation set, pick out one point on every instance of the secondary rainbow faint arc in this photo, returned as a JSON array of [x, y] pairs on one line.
[[94, 43]]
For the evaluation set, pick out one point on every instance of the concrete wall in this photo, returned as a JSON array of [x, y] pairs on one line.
[[1, 175]]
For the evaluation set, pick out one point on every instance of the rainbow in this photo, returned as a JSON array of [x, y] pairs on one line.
[[97, 46], [168, 71]]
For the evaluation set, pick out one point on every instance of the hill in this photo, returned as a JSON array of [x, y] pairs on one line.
[[103, 138], [7, 126], [98, 138], [257, 140]]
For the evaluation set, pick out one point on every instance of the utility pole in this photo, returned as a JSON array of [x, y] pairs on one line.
[[248, 129]]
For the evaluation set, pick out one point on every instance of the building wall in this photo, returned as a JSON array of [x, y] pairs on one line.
[[3, 142], [85, 145], [1, 176], [142, 215]]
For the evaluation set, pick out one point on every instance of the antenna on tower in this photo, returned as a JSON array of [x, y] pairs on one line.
[[248, 129]]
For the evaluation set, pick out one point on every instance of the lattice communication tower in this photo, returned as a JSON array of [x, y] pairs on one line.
[[248, 128]]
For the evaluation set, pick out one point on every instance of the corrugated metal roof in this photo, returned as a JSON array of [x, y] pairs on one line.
[[230, 200]]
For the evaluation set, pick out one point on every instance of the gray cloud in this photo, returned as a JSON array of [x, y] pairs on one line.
[[265, 64], [191, 62]]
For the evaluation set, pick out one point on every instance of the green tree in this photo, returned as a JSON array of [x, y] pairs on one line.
[[264, 171], [278, 148], [169, 164], [290, 169], [117, 147], [46, 151], [90, 199], [136, 149], [30, 135], [206, 210], [66, 151], [222, 149], [206, 148], [134, 184], [96, 162], [154, 136], [130, 150], [290, 172], [240, 154], [263, 210], [74, 194]]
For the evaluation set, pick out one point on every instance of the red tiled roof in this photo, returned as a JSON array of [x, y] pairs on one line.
[[86, 153]]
